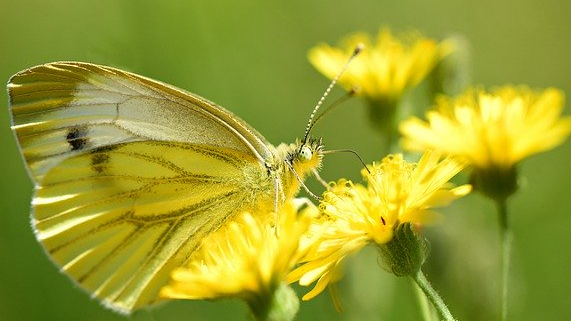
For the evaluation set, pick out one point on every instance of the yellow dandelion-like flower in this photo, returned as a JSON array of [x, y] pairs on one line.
[[386, 67], [397, 192], [496, 129], [492, 130], [248, 258]]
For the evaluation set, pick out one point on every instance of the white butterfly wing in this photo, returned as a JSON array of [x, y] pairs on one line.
[[130, 174]]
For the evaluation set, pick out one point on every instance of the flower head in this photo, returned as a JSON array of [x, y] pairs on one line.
[[354, 215], [493, 131], [247, 258], [386, 67]]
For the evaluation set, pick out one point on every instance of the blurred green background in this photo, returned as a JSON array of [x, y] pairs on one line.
[[250, 56]]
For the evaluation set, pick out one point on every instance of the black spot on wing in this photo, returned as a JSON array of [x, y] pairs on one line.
[[100, 158], [77, 137], [99, 162]]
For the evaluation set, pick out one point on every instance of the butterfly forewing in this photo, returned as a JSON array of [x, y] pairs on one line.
[[62, 109]]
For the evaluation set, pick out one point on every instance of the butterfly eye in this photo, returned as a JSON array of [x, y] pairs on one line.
[[305, 154]]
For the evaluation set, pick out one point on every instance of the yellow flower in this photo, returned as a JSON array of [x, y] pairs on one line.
[[397, 192], [496, 129], [386, 67], [247, 258], [492, 130]]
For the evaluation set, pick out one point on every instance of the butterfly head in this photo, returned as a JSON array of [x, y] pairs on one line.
[[306, 156]]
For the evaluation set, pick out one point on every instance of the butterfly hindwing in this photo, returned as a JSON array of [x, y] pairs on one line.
[[117, 220]]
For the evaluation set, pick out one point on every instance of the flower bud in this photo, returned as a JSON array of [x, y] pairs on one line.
[[405, 253]]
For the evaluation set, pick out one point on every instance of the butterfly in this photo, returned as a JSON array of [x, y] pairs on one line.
[[131, 174]]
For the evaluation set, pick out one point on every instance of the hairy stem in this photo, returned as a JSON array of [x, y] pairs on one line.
[[433, 296]]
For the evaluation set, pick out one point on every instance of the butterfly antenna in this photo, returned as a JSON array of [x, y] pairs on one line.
[[329, 108], [310, 123], [331, 151]]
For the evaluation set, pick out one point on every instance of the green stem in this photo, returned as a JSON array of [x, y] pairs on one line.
[[433, 296], [425, 306], [279, 304], [505, 238]]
